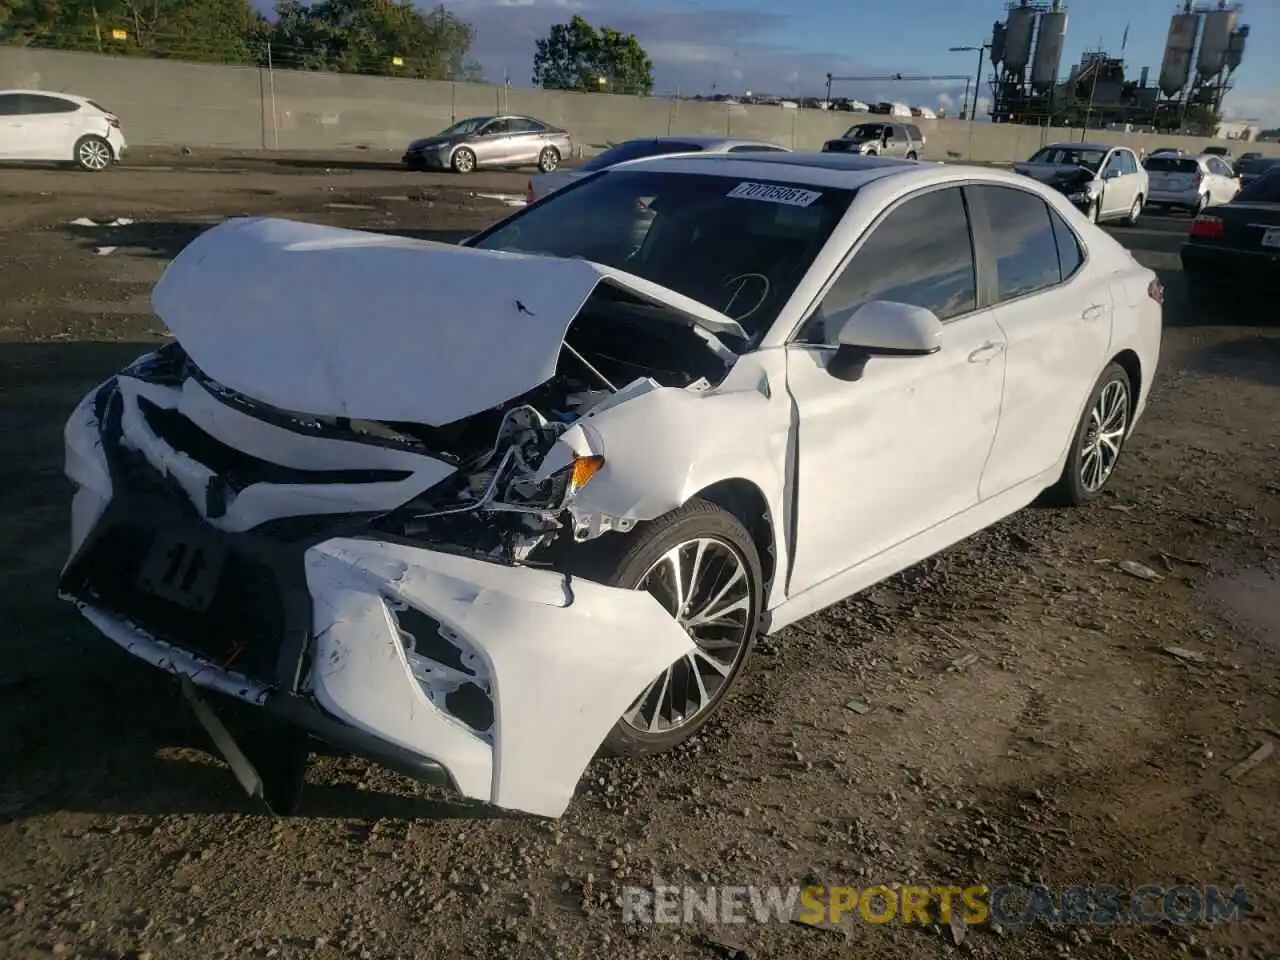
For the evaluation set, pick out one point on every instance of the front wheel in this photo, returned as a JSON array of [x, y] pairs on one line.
[[548, 159], [1134, 212], [1097, 441], [464, 161], [701, 564], [93, 154], [912, 156]]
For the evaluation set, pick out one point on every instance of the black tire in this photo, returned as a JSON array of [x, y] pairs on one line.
[[624, 560], [548, 160], [463, 160], [1135, 212], [912, 156], [1070, 490], [93, 154]]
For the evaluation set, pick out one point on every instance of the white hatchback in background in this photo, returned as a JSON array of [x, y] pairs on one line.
[[1190, 183], [546, 183], [58, 128]]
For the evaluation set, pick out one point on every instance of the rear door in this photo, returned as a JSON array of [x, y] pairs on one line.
[[52, 126], [12, 141], [1057, 325], [492, 147], [526, 139]]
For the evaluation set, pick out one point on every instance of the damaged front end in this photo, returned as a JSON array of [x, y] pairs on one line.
[[391, 587]]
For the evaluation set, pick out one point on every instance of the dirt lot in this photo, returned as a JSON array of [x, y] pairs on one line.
[[1007, 712]]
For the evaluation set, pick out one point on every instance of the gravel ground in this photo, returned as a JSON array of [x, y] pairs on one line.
[[1006, 712]]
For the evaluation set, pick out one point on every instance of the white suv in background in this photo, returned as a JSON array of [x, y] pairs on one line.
[[58, 128], [1191, 183]]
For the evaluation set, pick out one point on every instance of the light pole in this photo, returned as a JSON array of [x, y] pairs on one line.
[[982, 52]]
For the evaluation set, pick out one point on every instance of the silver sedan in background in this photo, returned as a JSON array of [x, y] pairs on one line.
[[504, 141], [549, 182]]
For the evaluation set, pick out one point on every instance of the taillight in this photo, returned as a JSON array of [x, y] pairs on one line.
[[528, 193], [1197, 179], [1205, 227], [1155, 290], [113, 122]]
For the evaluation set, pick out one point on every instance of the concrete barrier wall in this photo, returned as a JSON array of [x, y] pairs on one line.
[[170, 103]]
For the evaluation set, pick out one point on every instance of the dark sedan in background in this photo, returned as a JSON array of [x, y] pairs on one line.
[[1235, 248], [1251, 168], [500, 141]]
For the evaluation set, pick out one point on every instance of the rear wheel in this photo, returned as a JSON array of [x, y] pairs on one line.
[[701, 564], [1097, 441], [93, 154], [912, 156]]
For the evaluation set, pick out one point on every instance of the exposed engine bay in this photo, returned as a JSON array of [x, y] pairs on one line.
[[497, 504]]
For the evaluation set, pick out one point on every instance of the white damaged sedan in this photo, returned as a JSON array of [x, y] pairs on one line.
[[473, 512]]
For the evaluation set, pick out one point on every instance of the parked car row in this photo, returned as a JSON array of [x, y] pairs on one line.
[[1234, 249]]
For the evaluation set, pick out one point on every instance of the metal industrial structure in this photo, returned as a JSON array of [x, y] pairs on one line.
[[1204, 48]]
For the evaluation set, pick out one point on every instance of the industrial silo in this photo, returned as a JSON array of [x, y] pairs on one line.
[[1175, 68], [1235, 49], [1215, 40], [1017, 37], [997, 44], [1050, 39]]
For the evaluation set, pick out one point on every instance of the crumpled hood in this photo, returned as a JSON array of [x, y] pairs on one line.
[[346, 323], [1056, 174]]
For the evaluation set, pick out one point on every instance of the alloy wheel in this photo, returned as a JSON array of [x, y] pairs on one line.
[[705, 585], [1104, 434], [94, 155], [464, 161]]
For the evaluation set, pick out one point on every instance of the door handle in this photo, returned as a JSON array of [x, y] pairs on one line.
[[1095, 312], [986, 352]]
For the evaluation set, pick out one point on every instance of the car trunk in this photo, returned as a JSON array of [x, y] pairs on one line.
[[1173, 174], [1241, 226]]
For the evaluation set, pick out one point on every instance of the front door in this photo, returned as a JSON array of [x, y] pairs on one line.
[[1057, 327], [887, 456], [493, 145]]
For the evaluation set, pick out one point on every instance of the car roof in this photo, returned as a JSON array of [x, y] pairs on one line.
[[1068, 145], [819, 169], [48, 93]]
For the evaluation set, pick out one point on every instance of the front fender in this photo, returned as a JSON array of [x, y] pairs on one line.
[[664, 445]]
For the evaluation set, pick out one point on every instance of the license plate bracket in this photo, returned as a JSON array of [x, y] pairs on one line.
[[184, 569], [1271, 238]]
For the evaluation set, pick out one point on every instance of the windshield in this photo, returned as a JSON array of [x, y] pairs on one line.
[[634, 150], [1172, 165], [1266, 189], [1217, 151], [865, 131], [1069, 157], [738, 247], [464, 127]]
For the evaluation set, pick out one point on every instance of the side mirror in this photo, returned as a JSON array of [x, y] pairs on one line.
[[881, 328]]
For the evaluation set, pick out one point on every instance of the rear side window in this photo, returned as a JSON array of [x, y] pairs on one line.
[[1025, 246], [915, 132], [1129, 162], [636, 149], [1266, 189], [521, 125], [1172, 165], [1220, 167], [921, 254], [36, 105]]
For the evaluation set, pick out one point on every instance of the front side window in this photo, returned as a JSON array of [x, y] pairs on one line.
[[920, 254], [1114, 167], [1025, 248], [495, 128], [740, 247], [865, 131]]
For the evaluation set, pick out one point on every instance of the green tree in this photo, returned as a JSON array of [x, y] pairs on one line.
[[577, 56], [372, 36]]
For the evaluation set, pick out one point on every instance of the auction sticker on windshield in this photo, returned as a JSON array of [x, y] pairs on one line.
[[771, 193]]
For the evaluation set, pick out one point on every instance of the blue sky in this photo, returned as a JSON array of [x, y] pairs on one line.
[[787, 46]]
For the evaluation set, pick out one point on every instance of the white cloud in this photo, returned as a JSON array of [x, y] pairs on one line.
[[1263, 108]]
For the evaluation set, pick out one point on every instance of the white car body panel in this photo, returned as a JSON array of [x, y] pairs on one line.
[[854, 479]]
